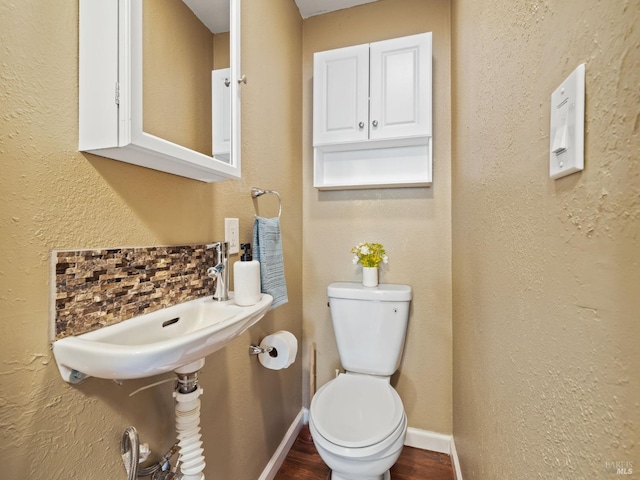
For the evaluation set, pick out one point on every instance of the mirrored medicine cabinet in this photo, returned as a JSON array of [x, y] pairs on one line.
[[159, 84]]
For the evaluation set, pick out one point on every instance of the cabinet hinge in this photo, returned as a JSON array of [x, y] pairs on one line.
[[117, 94]]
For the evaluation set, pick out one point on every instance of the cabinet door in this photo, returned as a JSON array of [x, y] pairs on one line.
[[98, 113], [400, 104], [340, 95]]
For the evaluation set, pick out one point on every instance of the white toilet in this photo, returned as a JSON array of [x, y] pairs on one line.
[[357, 420]]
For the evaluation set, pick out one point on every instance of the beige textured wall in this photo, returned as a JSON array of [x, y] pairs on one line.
[[221, 52], [51, 196], [546, 273], [414, 224]]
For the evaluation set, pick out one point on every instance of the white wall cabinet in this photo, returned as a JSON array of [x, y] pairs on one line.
[[372, 120]]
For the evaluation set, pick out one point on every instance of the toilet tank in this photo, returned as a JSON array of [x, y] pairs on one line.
[[370, 325]]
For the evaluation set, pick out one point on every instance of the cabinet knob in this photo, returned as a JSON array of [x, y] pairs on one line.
[[361, 125], [375, 123], [243, 79]]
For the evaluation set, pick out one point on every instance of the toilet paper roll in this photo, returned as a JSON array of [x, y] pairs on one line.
[[286, 345]]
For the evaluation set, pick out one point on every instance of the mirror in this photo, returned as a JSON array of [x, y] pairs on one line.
[[185, 52], [174, 66]]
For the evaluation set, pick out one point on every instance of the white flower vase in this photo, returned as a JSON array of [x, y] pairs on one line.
[[370, 276]]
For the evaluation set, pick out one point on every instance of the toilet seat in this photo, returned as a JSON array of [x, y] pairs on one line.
[[357, 411]]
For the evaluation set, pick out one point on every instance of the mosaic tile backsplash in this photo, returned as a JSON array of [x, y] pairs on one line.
[[97, 288]]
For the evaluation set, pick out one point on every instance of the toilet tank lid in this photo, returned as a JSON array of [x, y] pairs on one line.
[[384, 292]]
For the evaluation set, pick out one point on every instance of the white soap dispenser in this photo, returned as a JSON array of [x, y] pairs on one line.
[[246, 278]]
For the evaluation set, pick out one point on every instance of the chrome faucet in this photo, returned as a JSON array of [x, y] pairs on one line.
[[220, 271]]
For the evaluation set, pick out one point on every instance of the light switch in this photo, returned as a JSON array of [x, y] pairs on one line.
[[559, 144], [567, 126]]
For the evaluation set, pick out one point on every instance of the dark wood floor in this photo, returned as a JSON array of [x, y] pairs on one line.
[[303, 462]]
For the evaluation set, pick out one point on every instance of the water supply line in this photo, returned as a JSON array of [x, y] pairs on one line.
[[130, 451], [133, 454]]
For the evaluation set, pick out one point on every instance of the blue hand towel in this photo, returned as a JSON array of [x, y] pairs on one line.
[[267, 249]]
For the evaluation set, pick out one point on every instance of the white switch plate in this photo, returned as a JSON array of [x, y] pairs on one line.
[[566, 142], [232, 234]]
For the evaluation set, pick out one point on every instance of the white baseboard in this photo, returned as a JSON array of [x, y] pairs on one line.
[[426, 440], [281, 452], [423, 439], [435, 442], [455, 461]]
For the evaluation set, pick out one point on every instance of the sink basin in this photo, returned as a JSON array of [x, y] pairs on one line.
[[158, 342]]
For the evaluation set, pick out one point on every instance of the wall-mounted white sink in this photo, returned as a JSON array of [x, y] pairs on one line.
[[157, 342]]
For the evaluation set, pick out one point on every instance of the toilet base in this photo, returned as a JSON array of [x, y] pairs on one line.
[[361, 467], [385, 476]]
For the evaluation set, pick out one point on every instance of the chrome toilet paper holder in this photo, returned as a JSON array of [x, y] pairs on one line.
[[257, 350]]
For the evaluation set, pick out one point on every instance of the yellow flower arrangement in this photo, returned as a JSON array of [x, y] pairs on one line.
[[369, 254]]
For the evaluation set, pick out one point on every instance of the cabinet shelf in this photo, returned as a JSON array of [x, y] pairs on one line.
[[381, 164]]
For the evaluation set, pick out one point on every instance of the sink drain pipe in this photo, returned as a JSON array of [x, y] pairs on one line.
[[187, 395]]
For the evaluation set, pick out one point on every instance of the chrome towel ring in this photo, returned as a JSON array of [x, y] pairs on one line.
[[258, 192]]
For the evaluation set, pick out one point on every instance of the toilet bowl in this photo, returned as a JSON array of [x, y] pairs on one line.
[[357, 420], [359, 426]]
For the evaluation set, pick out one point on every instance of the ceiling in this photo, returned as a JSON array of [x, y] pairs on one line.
[[309, 8], [215, 13]]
